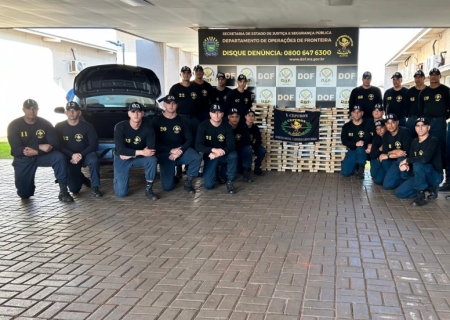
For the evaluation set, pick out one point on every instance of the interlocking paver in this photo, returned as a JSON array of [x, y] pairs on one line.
[[288, 246]]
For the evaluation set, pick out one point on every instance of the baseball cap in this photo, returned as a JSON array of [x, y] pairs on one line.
[[220, 74], [379, 123], [73, 105], [367, 75], [356, 107], [378, 107], [391, 116], [435, 70], [29, 103], [135, 106], [233, 110], [242, 77], [424, 120], [419, 73], [250, 111], [397, 75], [198, 67], [215, 108], [185, 68], [168, 99]]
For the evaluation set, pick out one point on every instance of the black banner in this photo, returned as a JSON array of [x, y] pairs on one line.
[[331, 46], [296, 126]]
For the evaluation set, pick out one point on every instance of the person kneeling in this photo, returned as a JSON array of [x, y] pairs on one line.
[[426, 161]]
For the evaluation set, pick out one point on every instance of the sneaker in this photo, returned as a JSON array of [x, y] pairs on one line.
[[96, 192]]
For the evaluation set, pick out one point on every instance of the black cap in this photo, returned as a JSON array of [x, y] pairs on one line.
[[378, 107], [198, 67], [435, 70], [356, 107], [397, 75], [29, 103], [215, 107], [391, 116], [73, 105], [367, 75], [419, 73], [220, 74], [380, 123], [233, 111], [135, 106], [424, 120], [242, 77], [250, 111], [168, 99], [185, 68]]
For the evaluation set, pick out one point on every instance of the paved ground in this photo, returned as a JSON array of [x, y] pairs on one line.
[[289, 246]]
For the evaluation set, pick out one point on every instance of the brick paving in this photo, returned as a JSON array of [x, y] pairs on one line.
[[288, 246]]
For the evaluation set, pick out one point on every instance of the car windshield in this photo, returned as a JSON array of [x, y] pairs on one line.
[[118, 101]]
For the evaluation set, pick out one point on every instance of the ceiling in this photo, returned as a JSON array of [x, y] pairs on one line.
[[176, 21]]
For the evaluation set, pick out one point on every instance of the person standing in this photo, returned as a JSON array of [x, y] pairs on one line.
[[135, 147], [377, 171], [33, 142], [426, 162], [79, 141], [434, 105], [352, 137], [256, 141], [240, 98], [205, 94], [221, 91], [412, 98], [215, 139], [394, 99], [174, 142], [365, 96]]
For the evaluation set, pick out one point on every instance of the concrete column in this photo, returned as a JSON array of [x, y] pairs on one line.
[[152, 55]]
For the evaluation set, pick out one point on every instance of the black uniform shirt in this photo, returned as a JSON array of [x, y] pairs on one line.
[[427, 151], [435, 103], [394, 102], [242, 135], [206, 96], [377, 142], [171, 133], [255, 136], [22, 135], [242, 101], [370, 131], [352, 133], [366, 98], [186, 98], [209, 137], [221, 96], [128, 140], [80, 138], [412, 101], [401, 141]]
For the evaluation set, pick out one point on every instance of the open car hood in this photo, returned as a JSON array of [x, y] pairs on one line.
[[116, 79]]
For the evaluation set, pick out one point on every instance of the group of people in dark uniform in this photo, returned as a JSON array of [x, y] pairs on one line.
[[199, 122], [404, 135]]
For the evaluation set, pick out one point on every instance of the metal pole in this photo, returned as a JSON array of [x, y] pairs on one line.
[[123, 52]]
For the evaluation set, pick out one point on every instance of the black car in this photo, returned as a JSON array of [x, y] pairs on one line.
[[104, 93]]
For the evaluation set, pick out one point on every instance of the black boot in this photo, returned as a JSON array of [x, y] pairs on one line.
[[96, 192], [64, 194], [85, 180], [258, 170], [433, 192], [220, 179], [149, 191], [360, 173], [230, 187], [246, 175], [446, 185], [179, 172], [188, 184], [420, 199]]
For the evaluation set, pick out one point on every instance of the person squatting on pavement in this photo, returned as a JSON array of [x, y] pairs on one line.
[[174, 142], [242, 140], [377, 171], [256, 141], [33, 141], [396, 145], [425, 159], [216, 140], [135, 147], [79, 142], [352, 137]]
